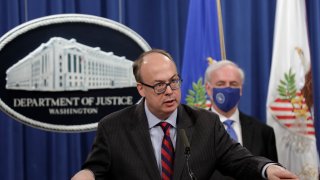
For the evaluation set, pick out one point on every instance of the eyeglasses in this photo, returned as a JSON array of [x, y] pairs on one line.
[[162, 86]]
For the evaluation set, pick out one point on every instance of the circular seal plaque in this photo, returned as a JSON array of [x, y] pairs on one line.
[[65, 72]]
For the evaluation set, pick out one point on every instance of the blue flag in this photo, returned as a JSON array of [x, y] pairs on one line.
[[314, 29], [201, 42]]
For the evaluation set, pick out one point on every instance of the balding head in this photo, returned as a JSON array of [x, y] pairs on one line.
[[142, 60]]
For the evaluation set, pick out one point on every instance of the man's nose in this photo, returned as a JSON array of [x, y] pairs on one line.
[[168, 89]]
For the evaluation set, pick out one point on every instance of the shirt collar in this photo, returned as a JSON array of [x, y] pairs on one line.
[[234, 116], [153, 120]]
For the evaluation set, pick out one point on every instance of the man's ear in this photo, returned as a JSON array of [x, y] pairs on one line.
[[241, 91], [208, 89], [140, 89]]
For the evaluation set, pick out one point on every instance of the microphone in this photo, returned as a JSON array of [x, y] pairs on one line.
[[187, 152]]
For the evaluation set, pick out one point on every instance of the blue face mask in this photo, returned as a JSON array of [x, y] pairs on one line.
[[226, 98]]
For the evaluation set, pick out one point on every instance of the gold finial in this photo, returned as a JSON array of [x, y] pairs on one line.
[[210, 60]]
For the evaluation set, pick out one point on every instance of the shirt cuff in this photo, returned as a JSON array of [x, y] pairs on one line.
[[264, 170]]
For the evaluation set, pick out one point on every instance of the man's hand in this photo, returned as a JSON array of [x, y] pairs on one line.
[[275, 172], [85, 174]]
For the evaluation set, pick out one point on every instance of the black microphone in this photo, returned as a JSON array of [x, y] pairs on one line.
[[187, 152]]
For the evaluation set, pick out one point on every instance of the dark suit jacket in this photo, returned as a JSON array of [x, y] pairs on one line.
[[258, 138], [123, 148]]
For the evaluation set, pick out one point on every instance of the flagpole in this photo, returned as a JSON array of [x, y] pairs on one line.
[[221, 34]]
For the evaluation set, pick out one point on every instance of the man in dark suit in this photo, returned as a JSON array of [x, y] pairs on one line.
[[131, 144], [224, 80]]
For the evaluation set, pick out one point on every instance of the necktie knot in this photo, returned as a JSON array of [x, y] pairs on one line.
[[228, 123], [165, 126]]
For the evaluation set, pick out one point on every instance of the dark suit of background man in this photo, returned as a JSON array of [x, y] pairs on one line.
[[127, 144], [226, 78]]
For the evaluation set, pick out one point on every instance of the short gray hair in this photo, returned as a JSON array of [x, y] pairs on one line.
[[218, 65]]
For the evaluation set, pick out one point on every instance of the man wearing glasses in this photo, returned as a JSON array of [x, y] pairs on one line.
[[142, 142]]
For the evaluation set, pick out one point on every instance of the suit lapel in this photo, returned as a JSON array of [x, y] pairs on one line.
[[247, 131], [183, 122], [141, 138]]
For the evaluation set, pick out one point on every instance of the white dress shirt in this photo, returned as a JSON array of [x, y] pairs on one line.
[[156, 132], [236, 125]]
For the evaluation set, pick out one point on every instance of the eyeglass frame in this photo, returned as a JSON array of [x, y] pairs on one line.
[[167, 84]]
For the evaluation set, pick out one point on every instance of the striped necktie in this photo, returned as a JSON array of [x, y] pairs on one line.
[[230, 129], [167, 153]]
